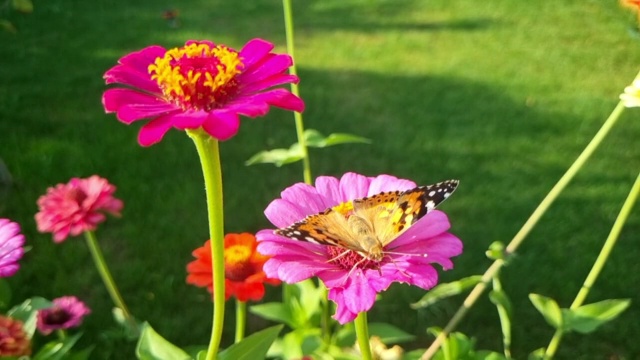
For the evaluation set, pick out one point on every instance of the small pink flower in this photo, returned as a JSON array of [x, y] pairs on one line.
[[65, 313], [354, 281], [11, 247], [198, 86], [75, 207]]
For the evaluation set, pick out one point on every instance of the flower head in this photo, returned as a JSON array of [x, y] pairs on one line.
[[77, 206], [11, 247], [200, 85], [65, 313], [13, 338], [244, 277], [352, 279], [631, 95]]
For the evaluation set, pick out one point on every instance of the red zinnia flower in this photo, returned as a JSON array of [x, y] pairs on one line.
[[198, 86], [76, 207], [244, 277], [13, 339]]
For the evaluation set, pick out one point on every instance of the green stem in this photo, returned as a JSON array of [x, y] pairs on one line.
[[107, 279], [209, 154], [601, 260], [61, 334], [241, 319], [362, 333], [526, 228], [288, 27]]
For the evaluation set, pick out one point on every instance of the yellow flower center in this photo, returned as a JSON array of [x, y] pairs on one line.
[[236, 262], [197, 76], [344, 208]]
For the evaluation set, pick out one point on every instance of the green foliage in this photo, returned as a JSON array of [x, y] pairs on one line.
[[252, 347], [61, 349], [152, 346], [584, 319], [446, 290], [27, 312], [457, 346], [294, 153]]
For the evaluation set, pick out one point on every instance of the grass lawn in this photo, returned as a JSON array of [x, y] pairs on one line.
[[502, 95]]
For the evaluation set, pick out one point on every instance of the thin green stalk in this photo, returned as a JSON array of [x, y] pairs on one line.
[[601, 260], [505, 322], [288, 26], [362, 333], [526, 228], [241, 319], [209, 154], [107, 279]]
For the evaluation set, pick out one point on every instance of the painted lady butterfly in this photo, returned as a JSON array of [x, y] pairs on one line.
[[369, 224]]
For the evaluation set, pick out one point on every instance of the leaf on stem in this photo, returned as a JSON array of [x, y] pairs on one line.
[[152, 346], [549, 309], [446, 290], [588, 318], [254, 346]]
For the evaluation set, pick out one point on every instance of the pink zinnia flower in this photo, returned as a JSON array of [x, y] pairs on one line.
[[199, 85], [75, 207], [11, 247], [65, 313], [353, 281]]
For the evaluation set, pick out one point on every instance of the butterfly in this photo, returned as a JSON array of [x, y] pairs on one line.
[[373, 223]]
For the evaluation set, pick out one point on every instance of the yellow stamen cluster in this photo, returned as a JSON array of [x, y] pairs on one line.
[[344, 208], [197, 75], [237, 254]]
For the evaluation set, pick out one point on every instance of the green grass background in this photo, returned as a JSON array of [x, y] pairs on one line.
[[502, 95]]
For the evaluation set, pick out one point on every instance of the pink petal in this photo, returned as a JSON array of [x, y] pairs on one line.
[[358, 294], [153, 131], [132, 105], [354, 186], [269, 83], [306, 197], [248, 106], [189, 119], [343, 315], [432, 224], [125, 75], [385, 183], [423, 276], [221, 125], [279, 97], [273, 65], [140, 60], [329, 187], [254, 50], [283, 213]]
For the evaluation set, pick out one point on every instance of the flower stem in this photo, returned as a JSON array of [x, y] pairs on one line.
[[362, 333], [288, 27], [107, 279], [526, 228], [241, 319], [601, 260], [209, 154]]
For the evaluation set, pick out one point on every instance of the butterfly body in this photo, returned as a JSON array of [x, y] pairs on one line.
[[367, 225]]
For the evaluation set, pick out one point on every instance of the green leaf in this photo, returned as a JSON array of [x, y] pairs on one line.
[[588, 318], [314, 138], [5, 294], [496, 251], [152, 346], [274, 311], [311, 297], [413, 354], [80, 355], [25, 6], [27, 311], [252, 347], [278, 157], [446, 290], [549, 309], [56, 350], [501, 300], [389, 334], [537, 354], [8, 26], [301, 342]]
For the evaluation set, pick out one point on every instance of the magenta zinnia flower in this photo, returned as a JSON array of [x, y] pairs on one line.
[[65, 313], [11, 247], [199, 85], [352, 280], [75, 207]]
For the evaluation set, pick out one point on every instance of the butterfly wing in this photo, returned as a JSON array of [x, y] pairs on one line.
[[326, 228], [391, 213]]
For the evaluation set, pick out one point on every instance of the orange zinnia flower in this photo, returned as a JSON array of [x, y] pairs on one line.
[[634, 5], [244, 277]]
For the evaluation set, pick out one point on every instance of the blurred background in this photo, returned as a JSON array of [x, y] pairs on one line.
[[502, 95]]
